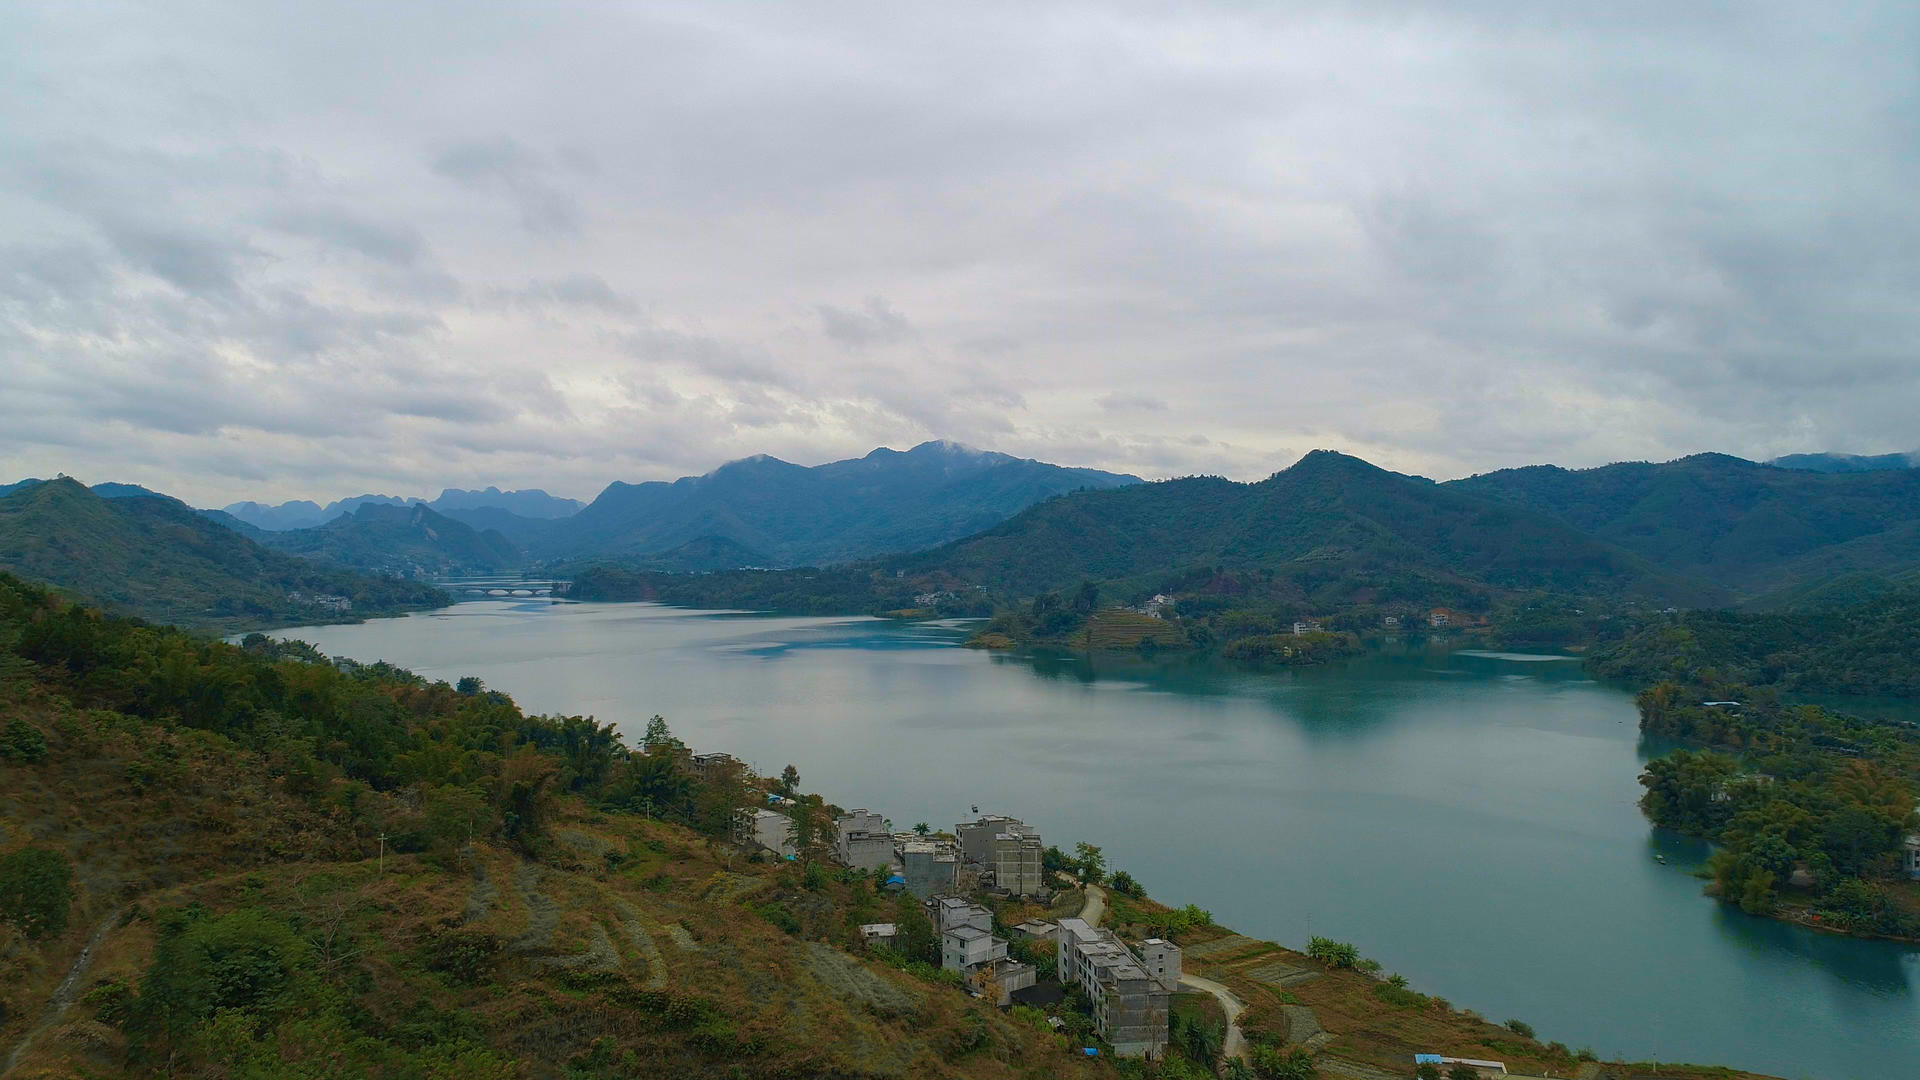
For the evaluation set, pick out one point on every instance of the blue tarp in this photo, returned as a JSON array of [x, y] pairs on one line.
[[1091, 1051], [1426, 1059]]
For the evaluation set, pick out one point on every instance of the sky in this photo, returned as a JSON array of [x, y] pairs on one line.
[[267, 251]]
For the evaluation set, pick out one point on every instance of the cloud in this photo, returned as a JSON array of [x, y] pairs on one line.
[[506, 166], [876, 323], [553, 247]]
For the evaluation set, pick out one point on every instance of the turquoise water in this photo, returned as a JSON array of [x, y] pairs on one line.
[[1466, 819]]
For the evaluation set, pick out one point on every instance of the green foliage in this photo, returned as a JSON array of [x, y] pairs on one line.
[[157, 558], [1291, 650], [246, 961], [1865, 648], [1124, 884], [1335, 954], [1276, 1063], [1090, 862], [36, 891], [1427, 1070], [400, 540], [1464, 1072], [22, 742], [1520, 1028]]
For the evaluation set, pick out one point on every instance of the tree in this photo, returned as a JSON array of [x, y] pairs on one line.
[[1520, 1028], [1427, 1071], [659, 738], [1277, 1064], [1338, 954], [22, 742], [789, 781], [803, 828], [922, 828], [469, 686], [36, 890], [1091, 862], [1463, 1072], [913, 931]]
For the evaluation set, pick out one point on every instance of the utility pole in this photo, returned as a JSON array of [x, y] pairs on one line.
[[383, 853]]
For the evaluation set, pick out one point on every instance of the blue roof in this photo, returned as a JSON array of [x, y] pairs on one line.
[[1091, 1051], [1427, 1059]]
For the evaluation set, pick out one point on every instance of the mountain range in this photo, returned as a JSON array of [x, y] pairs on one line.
[[156, 557], [532, 504]]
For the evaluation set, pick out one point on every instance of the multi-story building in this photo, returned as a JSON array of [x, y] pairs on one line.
[[860, 840], [1017, 864], [976, 837], [1161, 958], [767, 829], [928, 866], [1129, 1004]]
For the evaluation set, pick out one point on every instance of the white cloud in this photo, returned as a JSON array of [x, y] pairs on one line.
[[540, 246]]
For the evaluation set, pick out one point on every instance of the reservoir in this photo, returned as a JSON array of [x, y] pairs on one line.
[[1468, 819]]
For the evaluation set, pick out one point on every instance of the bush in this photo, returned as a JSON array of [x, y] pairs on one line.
[[1336, 954], [1273, 1063], [1520, 1028], [22, 742], [36, 890]]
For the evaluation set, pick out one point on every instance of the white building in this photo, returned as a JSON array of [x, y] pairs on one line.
[[767, 829]]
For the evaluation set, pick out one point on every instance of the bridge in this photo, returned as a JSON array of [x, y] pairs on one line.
[[506, 588]]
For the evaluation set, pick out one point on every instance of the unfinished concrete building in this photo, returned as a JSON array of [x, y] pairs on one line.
[[861, 840], [1129, 1004], [1017, 864], [928, 866], [767, 829]]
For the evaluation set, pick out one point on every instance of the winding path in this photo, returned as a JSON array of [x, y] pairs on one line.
[[1095, 907], [63, 994], [1236, 1042]]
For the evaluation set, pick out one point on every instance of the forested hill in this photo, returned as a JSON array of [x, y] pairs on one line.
[[1332, 529], [1871, 647], [158, 558], [411, 540], [887, 501], [1753, 528]]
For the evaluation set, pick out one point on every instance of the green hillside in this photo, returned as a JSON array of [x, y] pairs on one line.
[[159, 559], [409, 540], [1752, 528], [1331, 531]]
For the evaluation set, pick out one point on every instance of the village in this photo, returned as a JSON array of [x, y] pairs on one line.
[[1128, 985]]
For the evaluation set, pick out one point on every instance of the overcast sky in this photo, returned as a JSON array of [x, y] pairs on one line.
[[259, 251]]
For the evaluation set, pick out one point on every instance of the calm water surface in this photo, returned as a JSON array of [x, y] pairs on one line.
[[1467, 819]]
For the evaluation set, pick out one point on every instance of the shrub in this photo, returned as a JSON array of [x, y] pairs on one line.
[[1520, 1028], [36, 890], [1337, 954], [110, 1000], [22, 742]]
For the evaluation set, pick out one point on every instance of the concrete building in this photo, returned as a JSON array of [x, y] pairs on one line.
[[1129, 1004], [928, 866], [714, 766], [880, 935], [767, 829], [1161, 958], [860, 840], [966, 949], [1910, 857], [1016, 864], [1036, 931], [951, 913], [976, 837]]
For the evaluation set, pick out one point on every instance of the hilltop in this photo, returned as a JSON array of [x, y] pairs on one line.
[[887, 501], [409, 540], [156, 557], [1754, 529]]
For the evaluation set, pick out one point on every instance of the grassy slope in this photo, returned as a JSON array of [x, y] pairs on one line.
[[159, 559], [1750, 527], [222, 835]]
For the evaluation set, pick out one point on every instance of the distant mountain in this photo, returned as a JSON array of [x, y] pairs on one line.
[[156, 557], [407, 540], [1754, 528], [531, 503], [1831, 463], [302, 514], [790, 514], [1332, 530]]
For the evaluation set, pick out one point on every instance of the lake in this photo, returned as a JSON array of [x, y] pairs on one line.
[[1465, 818]]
